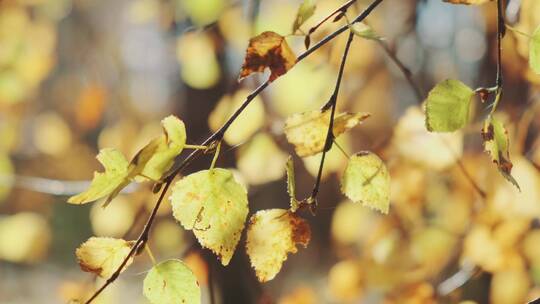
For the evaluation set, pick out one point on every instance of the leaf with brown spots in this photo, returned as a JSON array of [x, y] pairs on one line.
[[496, 143], [215, 206], [103, 256], [268, 50], [273, 234], [307, 131], [171, 282]]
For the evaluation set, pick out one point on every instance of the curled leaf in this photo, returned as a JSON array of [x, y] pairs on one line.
[[171, 282], [307, 131], [105, 183], [305, 11], [273, 234], [103, 256], [447, 106], [496, 143], [367, 180], [268, 50], [215, 206]]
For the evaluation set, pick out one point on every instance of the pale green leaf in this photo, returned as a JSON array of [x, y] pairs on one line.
[[291, 185], [365, 31], [108, 182], [171, 282], [496, 143], [447, 106], [305, 11], [367, 180], [271, 236], [215, 206], [534, 51], [156, 158], [103, 256]]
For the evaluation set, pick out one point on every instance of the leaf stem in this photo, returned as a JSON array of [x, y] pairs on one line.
[[150, 255], [196, 147], [341, 149], [515, 30], [216, 155]]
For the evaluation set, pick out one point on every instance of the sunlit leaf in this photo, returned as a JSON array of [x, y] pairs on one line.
[[171, 282], [534, 51], [496, 143], [307, 131], [215, 206], [305, 11], [273, 234], [157, 157], [365, 31], [447, 106], [105, 183], [268, 50], [103, 256], [367, 180], [24, 238]]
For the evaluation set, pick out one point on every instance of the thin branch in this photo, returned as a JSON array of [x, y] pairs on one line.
[[216, 136], [501, 30], [331, 103]]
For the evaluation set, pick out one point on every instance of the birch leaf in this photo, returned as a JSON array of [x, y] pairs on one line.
[[215, 206], [447, 106], [273, 234], [305, 11], [102, 255], [171, 282], [367, 180]]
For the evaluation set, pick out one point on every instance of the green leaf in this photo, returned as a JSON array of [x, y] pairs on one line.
[[156, 158], [367, 180], [271, 236], [108, 182], [305, 11], [497, 143], [171, 282], [365, 31], [447, 106], [534, 51], [215, 206], [291, 185]]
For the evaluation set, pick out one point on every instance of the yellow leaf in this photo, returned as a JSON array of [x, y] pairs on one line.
[[367, 180], [171, 282], [268, 50], [215, 206], [273, 234], [103, 256], [307, 131], [108, 183]]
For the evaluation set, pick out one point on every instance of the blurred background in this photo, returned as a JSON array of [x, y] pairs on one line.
[[78, 76]]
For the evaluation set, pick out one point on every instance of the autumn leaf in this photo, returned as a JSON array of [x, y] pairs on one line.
[[497, 144], [105, 183], [447, 106], [367, 180], [103, 255], [215, 206], [171, 282], [268, 50], [271, 236], [307, 131], [305, 11]]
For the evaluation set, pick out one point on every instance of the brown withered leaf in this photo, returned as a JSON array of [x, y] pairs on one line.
[[268, 50]]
